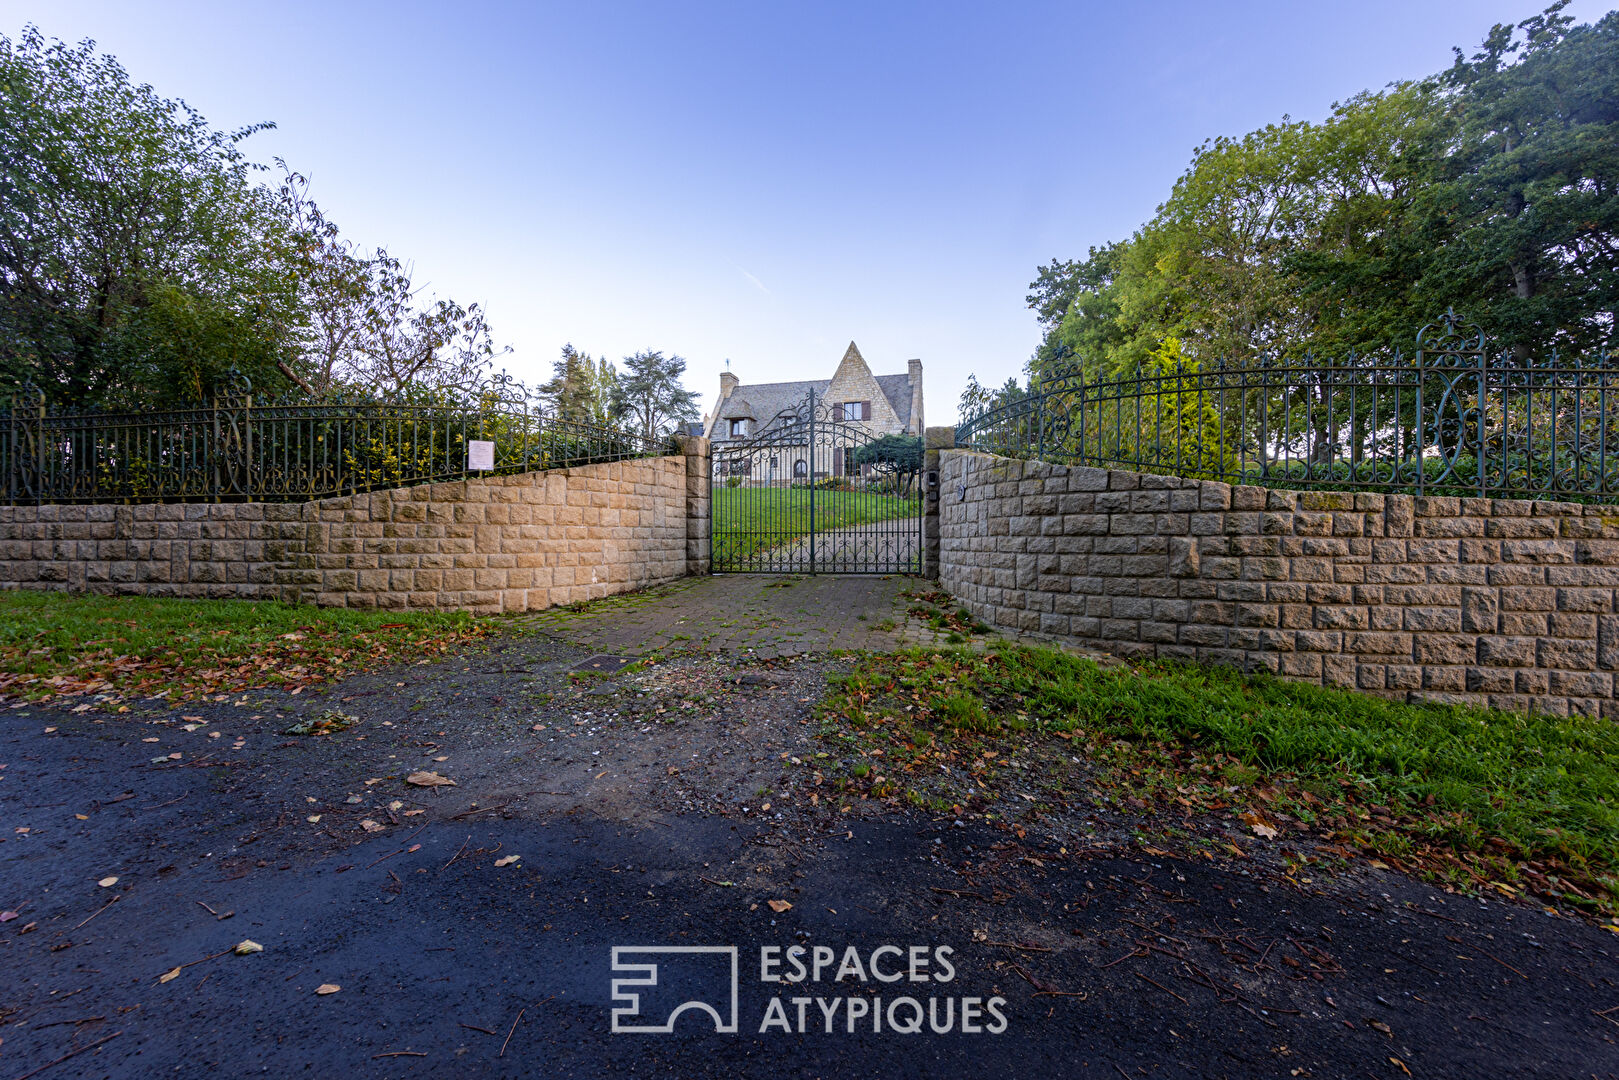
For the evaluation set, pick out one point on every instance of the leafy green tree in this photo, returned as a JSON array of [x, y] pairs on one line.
[[899, 456], [137, 259], [1527, 186], [140, 259], [649, 395], [1492, 188]]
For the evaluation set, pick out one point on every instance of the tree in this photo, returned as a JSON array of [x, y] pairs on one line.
[[1492, 188], [406, 345], [363, 323], [140, 260], [1527, 188], [899, 456], [581, 388], [649, 394], [137, 260]]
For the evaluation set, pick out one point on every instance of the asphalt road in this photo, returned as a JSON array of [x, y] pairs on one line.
[[1101, 961]]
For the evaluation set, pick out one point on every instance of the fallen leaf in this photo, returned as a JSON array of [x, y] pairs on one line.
[[371, 826], [377, 780], [169, 976], [7, 916], [429, 779], [108, 882], [175, 756], [413, 813], [395, 805], [49, 730], [313, 819], [247, 948], [507, 860], [779, 906], [192, 719], [323, 988], [82, 817], [151, 740], [1260, 826], [442, 757]]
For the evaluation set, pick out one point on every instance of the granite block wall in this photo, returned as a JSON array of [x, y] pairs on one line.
[[499, 543], [1504, 603]]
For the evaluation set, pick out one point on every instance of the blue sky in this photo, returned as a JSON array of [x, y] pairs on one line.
[[761, 182]]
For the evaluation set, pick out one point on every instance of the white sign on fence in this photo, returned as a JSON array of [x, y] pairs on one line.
[[480, 454]]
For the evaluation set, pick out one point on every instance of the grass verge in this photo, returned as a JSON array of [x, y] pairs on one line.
[[68, 645], [1471, 796]]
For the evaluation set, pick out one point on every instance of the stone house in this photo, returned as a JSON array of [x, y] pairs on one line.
[[865, 406]]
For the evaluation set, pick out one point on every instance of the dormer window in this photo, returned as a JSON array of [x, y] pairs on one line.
[[855, 410], [738, 428]]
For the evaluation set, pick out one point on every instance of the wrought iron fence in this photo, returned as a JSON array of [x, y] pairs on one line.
[[1450, 419], [232, 449]]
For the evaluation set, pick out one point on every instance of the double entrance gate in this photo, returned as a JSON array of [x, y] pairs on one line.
[[813, 491]]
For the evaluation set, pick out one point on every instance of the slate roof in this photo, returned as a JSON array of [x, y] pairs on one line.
[[764, 402]]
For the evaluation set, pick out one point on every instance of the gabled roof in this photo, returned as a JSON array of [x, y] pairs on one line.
[[765, 403]]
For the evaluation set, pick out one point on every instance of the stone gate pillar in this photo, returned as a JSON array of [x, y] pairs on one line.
[[936, 439], [698, 550]]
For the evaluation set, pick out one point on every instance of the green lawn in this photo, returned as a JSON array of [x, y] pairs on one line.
[[1492, 798], [750, 520], [59, 644]]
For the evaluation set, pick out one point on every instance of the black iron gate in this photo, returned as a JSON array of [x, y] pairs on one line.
[[813, 491]]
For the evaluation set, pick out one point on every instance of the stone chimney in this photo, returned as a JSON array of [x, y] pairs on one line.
[[728, 382], [914, 374]]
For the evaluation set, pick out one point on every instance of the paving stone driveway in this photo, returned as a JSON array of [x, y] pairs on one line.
[[765, 615]]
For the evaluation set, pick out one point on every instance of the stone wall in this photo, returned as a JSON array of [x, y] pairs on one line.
[[1510, 604], [500, 543]]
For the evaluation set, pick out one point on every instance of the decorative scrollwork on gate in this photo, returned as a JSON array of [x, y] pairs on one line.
[[804, 494]]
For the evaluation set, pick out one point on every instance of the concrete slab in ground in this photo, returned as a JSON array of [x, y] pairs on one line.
[[764, 615]]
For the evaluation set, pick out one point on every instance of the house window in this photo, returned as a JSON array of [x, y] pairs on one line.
[[799, 468], [739, 427], [856, 410]]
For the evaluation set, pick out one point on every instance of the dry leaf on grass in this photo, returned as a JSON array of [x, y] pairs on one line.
[[247, 948], [107, 882], [371, 826], [507, 860], [429, 779], [324, 988]]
